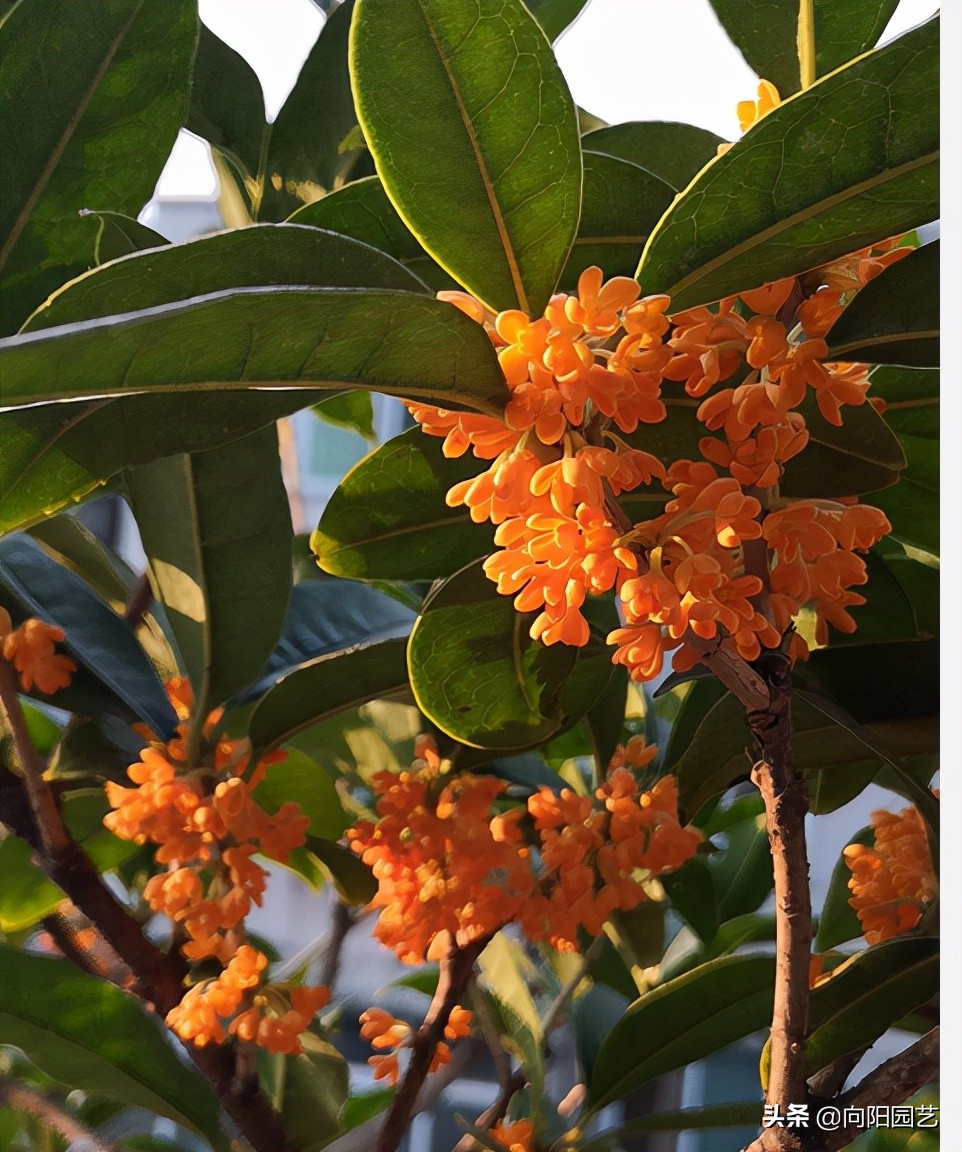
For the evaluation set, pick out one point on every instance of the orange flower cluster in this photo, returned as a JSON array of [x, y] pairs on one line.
[[391, 1036], [30, 649], [894, 882], [208, 828], [600, 357], [515, 1136], [449, 868]]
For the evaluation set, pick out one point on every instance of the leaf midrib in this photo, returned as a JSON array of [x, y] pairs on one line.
[[60, 147]]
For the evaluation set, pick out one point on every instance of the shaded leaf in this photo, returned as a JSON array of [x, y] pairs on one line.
[[672, 151], [766, 33], [388, 516], [912, 505], [592, 1017], [352, 878], [264, 255], [351, 410], [691, 891], [894, 319], [320, 688], [514, 1010], [477, 674], [220, 566], [682, 1021], [95, 133], [748, 1114], [395, 342], [475, 138], [868, 994], [621, 204], [911, 398], [119, 235], [848, 162], [99, 747], [555, 16], [309, 1091], [837, 921], [47, 1007], [114, 672], [300, 779]]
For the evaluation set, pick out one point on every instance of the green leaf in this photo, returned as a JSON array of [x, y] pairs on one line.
[[99, 747], [26, 895], [351, 410], [605, 718], [863, 455], [301, 779], [227, 106], [97, 132], [349, 874], [314, 691], [691, 891], [47, 1008], [477, 674], [868, 994], [119, 235], [747, 1114], [56, 455], [912, 505], [388, 517], [682, 1021], [113, 670], [894, 319], [621, 204], [592, 1017], [837, 921], [309, 1091], [911, 398], [220, 566], [362, 209], [742, 874], [475, 138], [555, 16], [311, 150], [672, 151], [43, 732], [514, 1010], [395, 342], [850, 161], [262, 256], [766, 32]]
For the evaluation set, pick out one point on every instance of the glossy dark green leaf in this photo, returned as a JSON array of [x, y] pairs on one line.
[[98, 748], [605, 718], [742, 873], [227, 107], [314, 1090], [56, 455], [894, 319], [362, 209], [83, 812], [747, 1114], [766, 33], [863, 455], [320, 688], [388, 517], [351, 410], [869, 993], [555, 16], [300, 779], [911, 398], [475, 138], [26, 895], [119, 235], [114, 672], [510, 1001], [477, 674], [220, 566], [352, 878], [691, 891], [47, 1009], [682, 1021], [395, 342], [43, 732], [314, 141], [672, 151], [848, 162], [621, 204], [265, 255], [912, 505], [96, 133], [837, 921]]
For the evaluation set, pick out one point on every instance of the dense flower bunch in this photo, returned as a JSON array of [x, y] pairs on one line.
[[516, 1136], [390, 1036], [30, 648], [208, 828], [729, 556], [893, 883], [450, 867]]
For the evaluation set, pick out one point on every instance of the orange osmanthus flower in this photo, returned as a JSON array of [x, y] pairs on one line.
[[30, 648]]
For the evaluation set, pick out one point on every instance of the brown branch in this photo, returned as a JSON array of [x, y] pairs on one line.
[[51, 1114], [891, 1083], [786, 804], [31, 810], [495, 1112], [139, 601], [456, 969], [85, 948], [829, 1081], [343, 920]]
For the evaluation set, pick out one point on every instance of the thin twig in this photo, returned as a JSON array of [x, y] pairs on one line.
[[343, 919], [139, 601]]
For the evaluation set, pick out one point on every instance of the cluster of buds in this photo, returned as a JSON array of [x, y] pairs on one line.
[[451, 867], [31, 649], [729, 556], [893, 882], [390, 1037], [208, 828]]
